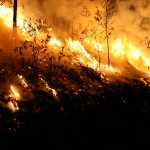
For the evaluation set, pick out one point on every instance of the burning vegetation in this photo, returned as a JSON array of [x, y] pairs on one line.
[[91, 66]]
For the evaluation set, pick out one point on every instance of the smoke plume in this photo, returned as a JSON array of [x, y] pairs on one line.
[[134, 17]]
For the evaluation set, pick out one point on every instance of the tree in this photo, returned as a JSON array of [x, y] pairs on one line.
[[93, 28], [109, 10], [14, 24], [15, 14], [36, 50]]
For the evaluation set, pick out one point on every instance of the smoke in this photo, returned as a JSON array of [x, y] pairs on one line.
[[64, 16], [134, 18], [133, 15], [58, 14]]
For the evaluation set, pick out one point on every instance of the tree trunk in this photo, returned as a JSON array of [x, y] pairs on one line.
[[107, 32]]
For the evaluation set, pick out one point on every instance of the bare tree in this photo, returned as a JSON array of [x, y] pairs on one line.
[[92, 29], [109, 10], [37, 48]]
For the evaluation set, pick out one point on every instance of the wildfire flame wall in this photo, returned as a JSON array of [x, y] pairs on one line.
[[129, 39]]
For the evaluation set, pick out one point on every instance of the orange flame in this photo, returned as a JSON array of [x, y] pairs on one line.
[[120, 48], [7, 15], [14, 93], [54, 92]]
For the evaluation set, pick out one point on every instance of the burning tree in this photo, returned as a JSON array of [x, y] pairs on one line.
[[101, 22]]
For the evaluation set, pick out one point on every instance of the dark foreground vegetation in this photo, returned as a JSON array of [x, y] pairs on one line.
[[115, 116]]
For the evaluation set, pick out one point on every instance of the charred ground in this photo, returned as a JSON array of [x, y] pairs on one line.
[[114, 113]]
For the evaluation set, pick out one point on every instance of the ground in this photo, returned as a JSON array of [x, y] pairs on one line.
[[117, 117]]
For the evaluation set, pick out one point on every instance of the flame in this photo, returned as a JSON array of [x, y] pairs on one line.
[[76, 48], [95, 44], [54, 92], [111, 69], [14, 93], [80, 54], [56, 42], [13, 106], [124, 49], [120, 48], [11, 98], [7, 15]]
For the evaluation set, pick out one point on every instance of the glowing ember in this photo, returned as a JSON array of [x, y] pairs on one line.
[[23, 81], [13, 105], [111, 69], [49, 88]]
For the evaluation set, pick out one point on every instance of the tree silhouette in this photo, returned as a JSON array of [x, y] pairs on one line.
[[109, 10], [37, 49]]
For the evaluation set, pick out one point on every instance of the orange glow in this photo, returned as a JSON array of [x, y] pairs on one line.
[[54, 41], [95, 44], [125, 49], [23, 81], [12, 107], [54, 92], [14, 93], [7, 15], [120, 49]]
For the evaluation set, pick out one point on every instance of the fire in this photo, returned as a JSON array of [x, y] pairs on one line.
[[120, 48], [147, 61], [111, 69], [7, 15], [95, 44], [14, 93], [10, 99], [95, 56], [80, 54], [13, 106], [54, 92], [126, 50], [55, 42]]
